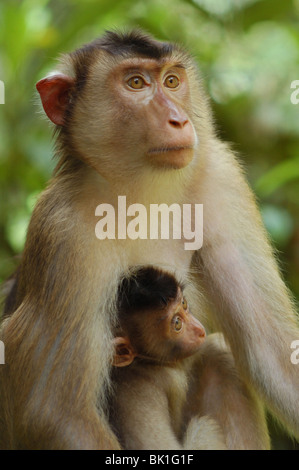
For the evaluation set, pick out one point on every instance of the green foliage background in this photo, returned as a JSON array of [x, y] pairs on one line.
[[248, 53]]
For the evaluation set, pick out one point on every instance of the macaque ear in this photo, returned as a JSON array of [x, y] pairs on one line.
[[124, 354], [54, 93]]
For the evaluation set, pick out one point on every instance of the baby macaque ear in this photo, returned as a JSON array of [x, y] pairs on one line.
[[124, 353], [54, 93]]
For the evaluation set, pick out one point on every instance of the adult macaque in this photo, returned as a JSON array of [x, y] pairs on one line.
[[157, 332], [132, 119]]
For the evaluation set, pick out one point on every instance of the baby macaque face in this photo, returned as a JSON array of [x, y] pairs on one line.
[[168, 334]]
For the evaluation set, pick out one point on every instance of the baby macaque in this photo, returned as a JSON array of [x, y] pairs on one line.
[[156, 332]]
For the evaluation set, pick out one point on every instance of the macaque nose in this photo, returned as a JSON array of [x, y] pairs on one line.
[[200, 329], [178, 122], [201, 332], [177, 117]]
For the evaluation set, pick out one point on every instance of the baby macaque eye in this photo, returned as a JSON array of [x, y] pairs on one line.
[[184, 304], [177, 323]]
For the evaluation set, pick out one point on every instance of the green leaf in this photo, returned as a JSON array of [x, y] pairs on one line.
[[277, 177]]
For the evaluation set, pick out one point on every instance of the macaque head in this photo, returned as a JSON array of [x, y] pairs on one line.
[[125, 104], [162, 329]]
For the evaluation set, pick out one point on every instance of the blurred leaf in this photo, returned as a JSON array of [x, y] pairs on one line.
[[16, 230], [278, 176], [278, 223]]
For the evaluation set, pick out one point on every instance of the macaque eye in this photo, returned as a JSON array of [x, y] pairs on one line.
[[177, 323], [136, 82], [171, 81], [184, 304]]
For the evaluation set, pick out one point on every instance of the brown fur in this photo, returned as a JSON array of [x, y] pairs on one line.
[[54, 384]]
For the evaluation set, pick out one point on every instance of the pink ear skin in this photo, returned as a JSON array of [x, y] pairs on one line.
[[54, 93], [124, 354]]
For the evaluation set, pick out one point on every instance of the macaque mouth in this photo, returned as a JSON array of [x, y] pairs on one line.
[[157, 150]]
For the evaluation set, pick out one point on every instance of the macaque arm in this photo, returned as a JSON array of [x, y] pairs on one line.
[[142, 417], [204, 434], [252, 305], [219, 392], [51, 373]]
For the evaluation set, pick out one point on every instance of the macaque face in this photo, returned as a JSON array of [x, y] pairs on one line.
[[142, 107], [182, 332], [166, 335]]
